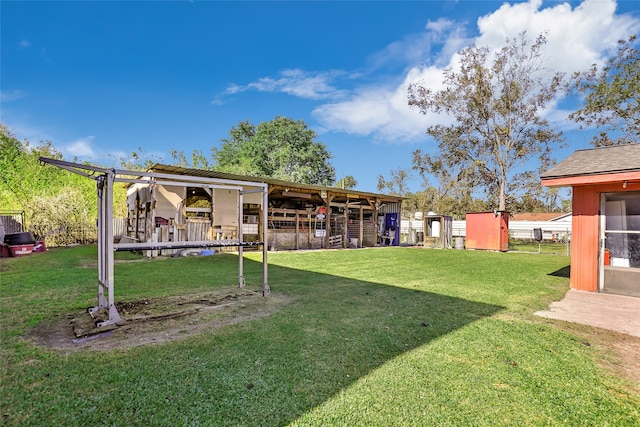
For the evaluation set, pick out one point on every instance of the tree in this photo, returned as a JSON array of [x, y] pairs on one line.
[[347, 183], [22, 177], [612, 98], [281, 148], [397, 185], [47, 193], [139, 160], [495, 101], [531, 196], [453, 194], [198, 159]]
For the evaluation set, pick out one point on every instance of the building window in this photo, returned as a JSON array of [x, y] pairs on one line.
[[622, 229]]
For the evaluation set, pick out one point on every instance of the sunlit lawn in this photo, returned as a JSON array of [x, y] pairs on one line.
[[385, 336]]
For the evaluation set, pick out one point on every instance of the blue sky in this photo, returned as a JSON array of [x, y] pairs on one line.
[[101, 79]]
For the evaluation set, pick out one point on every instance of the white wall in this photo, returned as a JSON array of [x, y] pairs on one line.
[[167, 199], [517, 229], [226, 207]]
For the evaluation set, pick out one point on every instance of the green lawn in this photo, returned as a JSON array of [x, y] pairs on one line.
[[372, 337]]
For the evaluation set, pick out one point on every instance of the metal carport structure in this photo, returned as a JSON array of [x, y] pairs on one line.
[[105, 179]]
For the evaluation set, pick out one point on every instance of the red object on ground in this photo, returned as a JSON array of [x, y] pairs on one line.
[[488, 230], [39, 246], [4, 251], [20, 250]]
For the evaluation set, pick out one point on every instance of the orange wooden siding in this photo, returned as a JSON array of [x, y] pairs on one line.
[[488, 230], [584, 240], [585, 234]]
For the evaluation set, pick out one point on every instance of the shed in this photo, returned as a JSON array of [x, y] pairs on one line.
[[605, 251], [488, 230], [438, 231], [300, 216]]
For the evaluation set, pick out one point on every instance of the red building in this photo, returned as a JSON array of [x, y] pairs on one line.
[[488, 230], [605, 249]]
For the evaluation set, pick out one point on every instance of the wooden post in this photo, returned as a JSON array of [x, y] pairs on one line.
[[297, 230], [309, 231], [361, 231], [345, 232], [327, 198]]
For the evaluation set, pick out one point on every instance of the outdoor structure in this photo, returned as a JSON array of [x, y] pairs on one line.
[[299, 216], [488, 230], [605, 251], [438, 231], [558, 228], [165, 185]]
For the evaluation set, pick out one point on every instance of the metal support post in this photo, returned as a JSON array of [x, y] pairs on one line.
[[265, 248], [240, 248], [104, 184]]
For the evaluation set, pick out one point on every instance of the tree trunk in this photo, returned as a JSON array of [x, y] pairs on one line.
[[502, 198]]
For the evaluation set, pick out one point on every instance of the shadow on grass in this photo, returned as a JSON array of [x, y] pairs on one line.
[[337, 331], [268, 371], [563, 272]]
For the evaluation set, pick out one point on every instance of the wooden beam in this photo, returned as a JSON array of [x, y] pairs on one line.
[[296, 195]]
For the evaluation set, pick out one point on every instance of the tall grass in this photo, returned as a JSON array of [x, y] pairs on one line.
[[385, 336]]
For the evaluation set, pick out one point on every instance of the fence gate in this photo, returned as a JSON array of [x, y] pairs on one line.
[[11, 222]]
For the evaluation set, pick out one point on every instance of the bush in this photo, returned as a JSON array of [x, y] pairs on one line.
[[62, 219]]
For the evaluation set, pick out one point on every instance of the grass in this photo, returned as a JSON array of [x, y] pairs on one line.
[[546, 247], [385, 336]]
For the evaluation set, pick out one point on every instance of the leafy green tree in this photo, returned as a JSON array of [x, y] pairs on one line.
[[22, 177], [198, 159], [51, 197], [612, 97], [453, 194], [430, 200], [347, 183], [281, 148], [495, 103], [397, 184], [527, 195], [139, 160]]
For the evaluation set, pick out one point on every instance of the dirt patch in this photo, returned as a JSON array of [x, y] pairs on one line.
[[156, 320], [619, 353], [622, 356]]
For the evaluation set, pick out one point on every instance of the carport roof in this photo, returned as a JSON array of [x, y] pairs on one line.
[[274, 182]]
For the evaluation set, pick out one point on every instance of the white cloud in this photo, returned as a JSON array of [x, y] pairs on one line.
[[303, 84], [577, 37], [80, 148], [380, 112], [24, 44]]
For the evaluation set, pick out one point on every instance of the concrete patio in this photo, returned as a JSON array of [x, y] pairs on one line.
[[607, 311]]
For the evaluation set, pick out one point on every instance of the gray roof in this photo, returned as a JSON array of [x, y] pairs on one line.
[[598, 161]]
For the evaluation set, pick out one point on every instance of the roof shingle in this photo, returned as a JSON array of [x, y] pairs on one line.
[[597, 161]]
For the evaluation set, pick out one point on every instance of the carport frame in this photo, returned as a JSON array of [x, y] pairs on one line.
[[105, 179]]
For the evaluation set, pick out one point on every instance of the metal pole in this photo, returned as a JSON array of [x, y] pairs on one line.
[[240, 249], [265, 219], [102, 301], [107, 192]]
